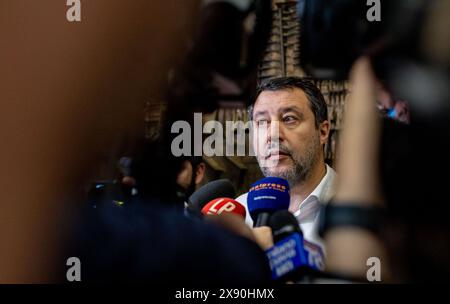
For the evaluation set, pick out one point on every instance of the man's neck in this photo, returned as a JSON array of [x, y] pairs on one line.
[[302, 189]]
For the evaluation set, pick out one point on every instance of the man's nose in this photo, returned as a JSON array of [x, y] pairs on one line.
[[274, 133]]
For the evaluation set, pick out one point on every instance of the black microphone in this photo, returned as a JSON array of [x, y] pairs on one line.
[[292, 258], [207, 193], [283, 223]]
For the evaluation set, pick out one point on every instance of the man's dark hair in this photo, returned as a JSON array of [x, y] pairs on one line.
[[315, 97]]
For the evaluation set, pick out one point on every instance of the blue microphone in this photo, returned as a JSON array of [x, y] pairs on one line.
[[265, 197], [292, 257]]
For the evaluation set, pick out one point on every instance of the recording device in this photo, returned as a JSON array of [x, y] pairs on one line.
[[224, 205], [283, 223], [265, 197], [292, 257], [115, 192], [108, 192], [207, 193]]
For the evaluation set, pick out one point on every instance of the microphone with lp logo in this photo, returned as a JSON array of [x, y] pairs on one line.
[[224, 205]]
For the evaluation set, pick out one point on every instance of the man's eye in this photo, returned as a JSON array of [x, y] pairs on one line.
[[261, 122], [289, 119]]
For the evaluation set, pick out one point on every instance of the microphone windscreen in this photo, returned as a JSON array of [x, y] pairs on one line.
[[210, 191], [269, 195], [283, 223], [224, 205]]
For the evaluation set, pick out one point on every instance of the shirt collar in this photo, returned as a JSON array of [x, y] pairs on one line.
[[323, 192]]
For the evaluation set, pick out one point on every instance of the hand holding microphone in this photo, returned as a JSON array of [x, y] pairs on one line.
[[292, 258], [230, 213], [263, 237]]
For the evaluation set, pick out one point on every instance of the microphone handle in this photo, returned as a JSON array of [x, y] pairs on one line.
[[262, 219]]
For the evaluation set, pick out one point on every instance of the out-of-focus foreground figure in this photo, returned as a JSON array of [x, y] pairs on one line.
[[65, 89]]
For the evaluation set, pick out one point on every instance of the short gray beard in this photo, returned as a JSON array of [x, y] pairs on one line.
[[303, 164]]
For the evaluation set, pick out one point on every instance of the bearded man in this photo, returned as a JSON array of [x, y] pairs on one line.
[[290, 129]]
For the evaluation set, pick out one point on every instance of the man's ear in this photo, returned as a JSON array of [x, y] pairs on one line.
[[324, 130], [199, 173]]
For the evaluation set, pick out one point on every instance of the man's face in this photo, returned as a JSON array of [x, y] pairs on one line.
[[286, 140]]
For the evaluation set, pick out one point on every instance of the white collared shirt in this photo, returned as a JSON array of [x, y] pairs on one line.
[[307, 214]]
